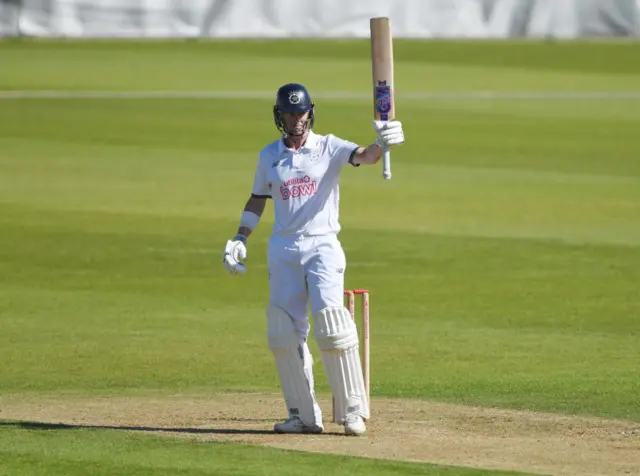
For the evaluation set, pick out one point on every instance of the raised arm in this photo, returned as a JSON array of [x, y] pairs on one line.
[[367, 155], [387, 134]]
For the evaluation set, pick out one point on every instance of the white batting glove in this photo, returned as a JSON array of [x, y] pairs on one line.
[[388, 133], [235, 252]]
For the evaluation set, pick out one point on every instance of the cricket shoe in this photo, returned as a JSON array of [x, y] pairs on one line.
[[295, 425], [354, 426]]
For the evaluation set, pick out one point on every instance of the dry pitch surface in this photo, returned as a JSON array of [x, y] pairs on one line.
[[408, 430]]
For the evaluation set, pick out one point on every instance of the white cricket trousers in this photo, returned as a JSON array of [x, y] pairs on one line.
[[305, 271]]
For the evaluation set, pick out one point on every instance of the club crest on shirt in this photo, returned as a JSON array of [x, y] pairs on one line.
[[314, 156]]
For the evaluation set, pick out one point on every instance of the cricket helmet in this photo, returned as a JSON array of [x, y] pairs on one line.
[[292, 98]]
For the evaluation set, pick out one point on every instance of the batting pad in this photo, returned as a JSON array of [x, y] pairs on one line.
[[295, 367], [337, 337]]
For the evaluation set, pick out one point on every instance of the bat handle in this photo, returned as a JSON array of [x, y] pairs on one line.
[[386, 163]]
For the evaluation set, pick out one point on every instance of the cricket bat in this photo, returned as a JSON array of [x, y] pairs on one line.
[[382, 68]]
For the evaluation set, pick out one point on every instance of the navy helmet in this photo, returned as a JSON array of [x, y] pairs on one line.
[[292, 98]]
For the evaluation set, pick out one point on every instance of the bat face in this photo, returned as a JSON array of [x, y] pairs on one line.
[[382, 65]]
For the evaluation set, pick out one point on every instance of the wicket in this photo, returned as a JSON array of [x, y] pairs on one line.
[[350, 295]]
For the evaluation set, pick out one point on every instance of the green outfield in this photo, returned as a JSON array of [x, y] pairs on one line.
[[503, 259]]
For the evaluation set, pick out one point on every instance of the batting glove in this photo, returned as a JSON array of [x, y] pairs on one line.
[[235, 252], [388, 133]]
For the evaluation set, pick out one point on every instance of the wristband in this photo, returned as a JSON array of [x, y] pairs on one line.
[[240, 237], [249, 220]]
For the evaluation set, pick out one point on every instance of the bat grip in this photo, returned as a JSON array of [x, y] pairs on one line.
[[386, 163]]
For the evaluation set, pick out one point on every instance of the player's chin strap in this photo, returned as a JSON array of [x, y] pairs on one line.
[[306, 130]]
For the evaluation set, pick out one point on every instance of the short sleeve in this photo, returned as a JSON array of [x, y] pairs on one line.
[[260, 184], [341, 150]]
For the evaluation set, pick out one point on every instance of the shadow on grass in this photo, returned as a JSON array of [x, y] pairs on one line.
[[37, 425]]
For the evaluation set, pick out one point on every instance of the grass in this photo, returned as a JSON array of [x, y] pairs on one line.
[[101, 453], [323, 65], [503, 258]]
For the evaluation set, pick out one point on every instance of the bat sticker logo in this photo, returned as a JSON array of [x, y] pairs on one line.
[[294, 97], [383, 100]]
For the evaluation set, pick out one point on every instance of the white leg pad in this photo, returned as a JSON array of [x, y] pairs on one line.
[[295, 367], [337, 337]]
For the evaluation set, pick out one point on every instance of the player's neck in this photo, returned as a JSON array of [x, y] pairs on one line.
[[295, 142]]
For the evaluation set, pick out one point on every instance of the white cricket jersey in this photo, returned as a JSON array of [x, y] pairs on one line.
[[304, 183]]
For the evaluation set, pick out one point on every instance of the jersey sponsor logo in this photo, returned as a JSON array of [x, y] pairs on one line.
[[299, 187]]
